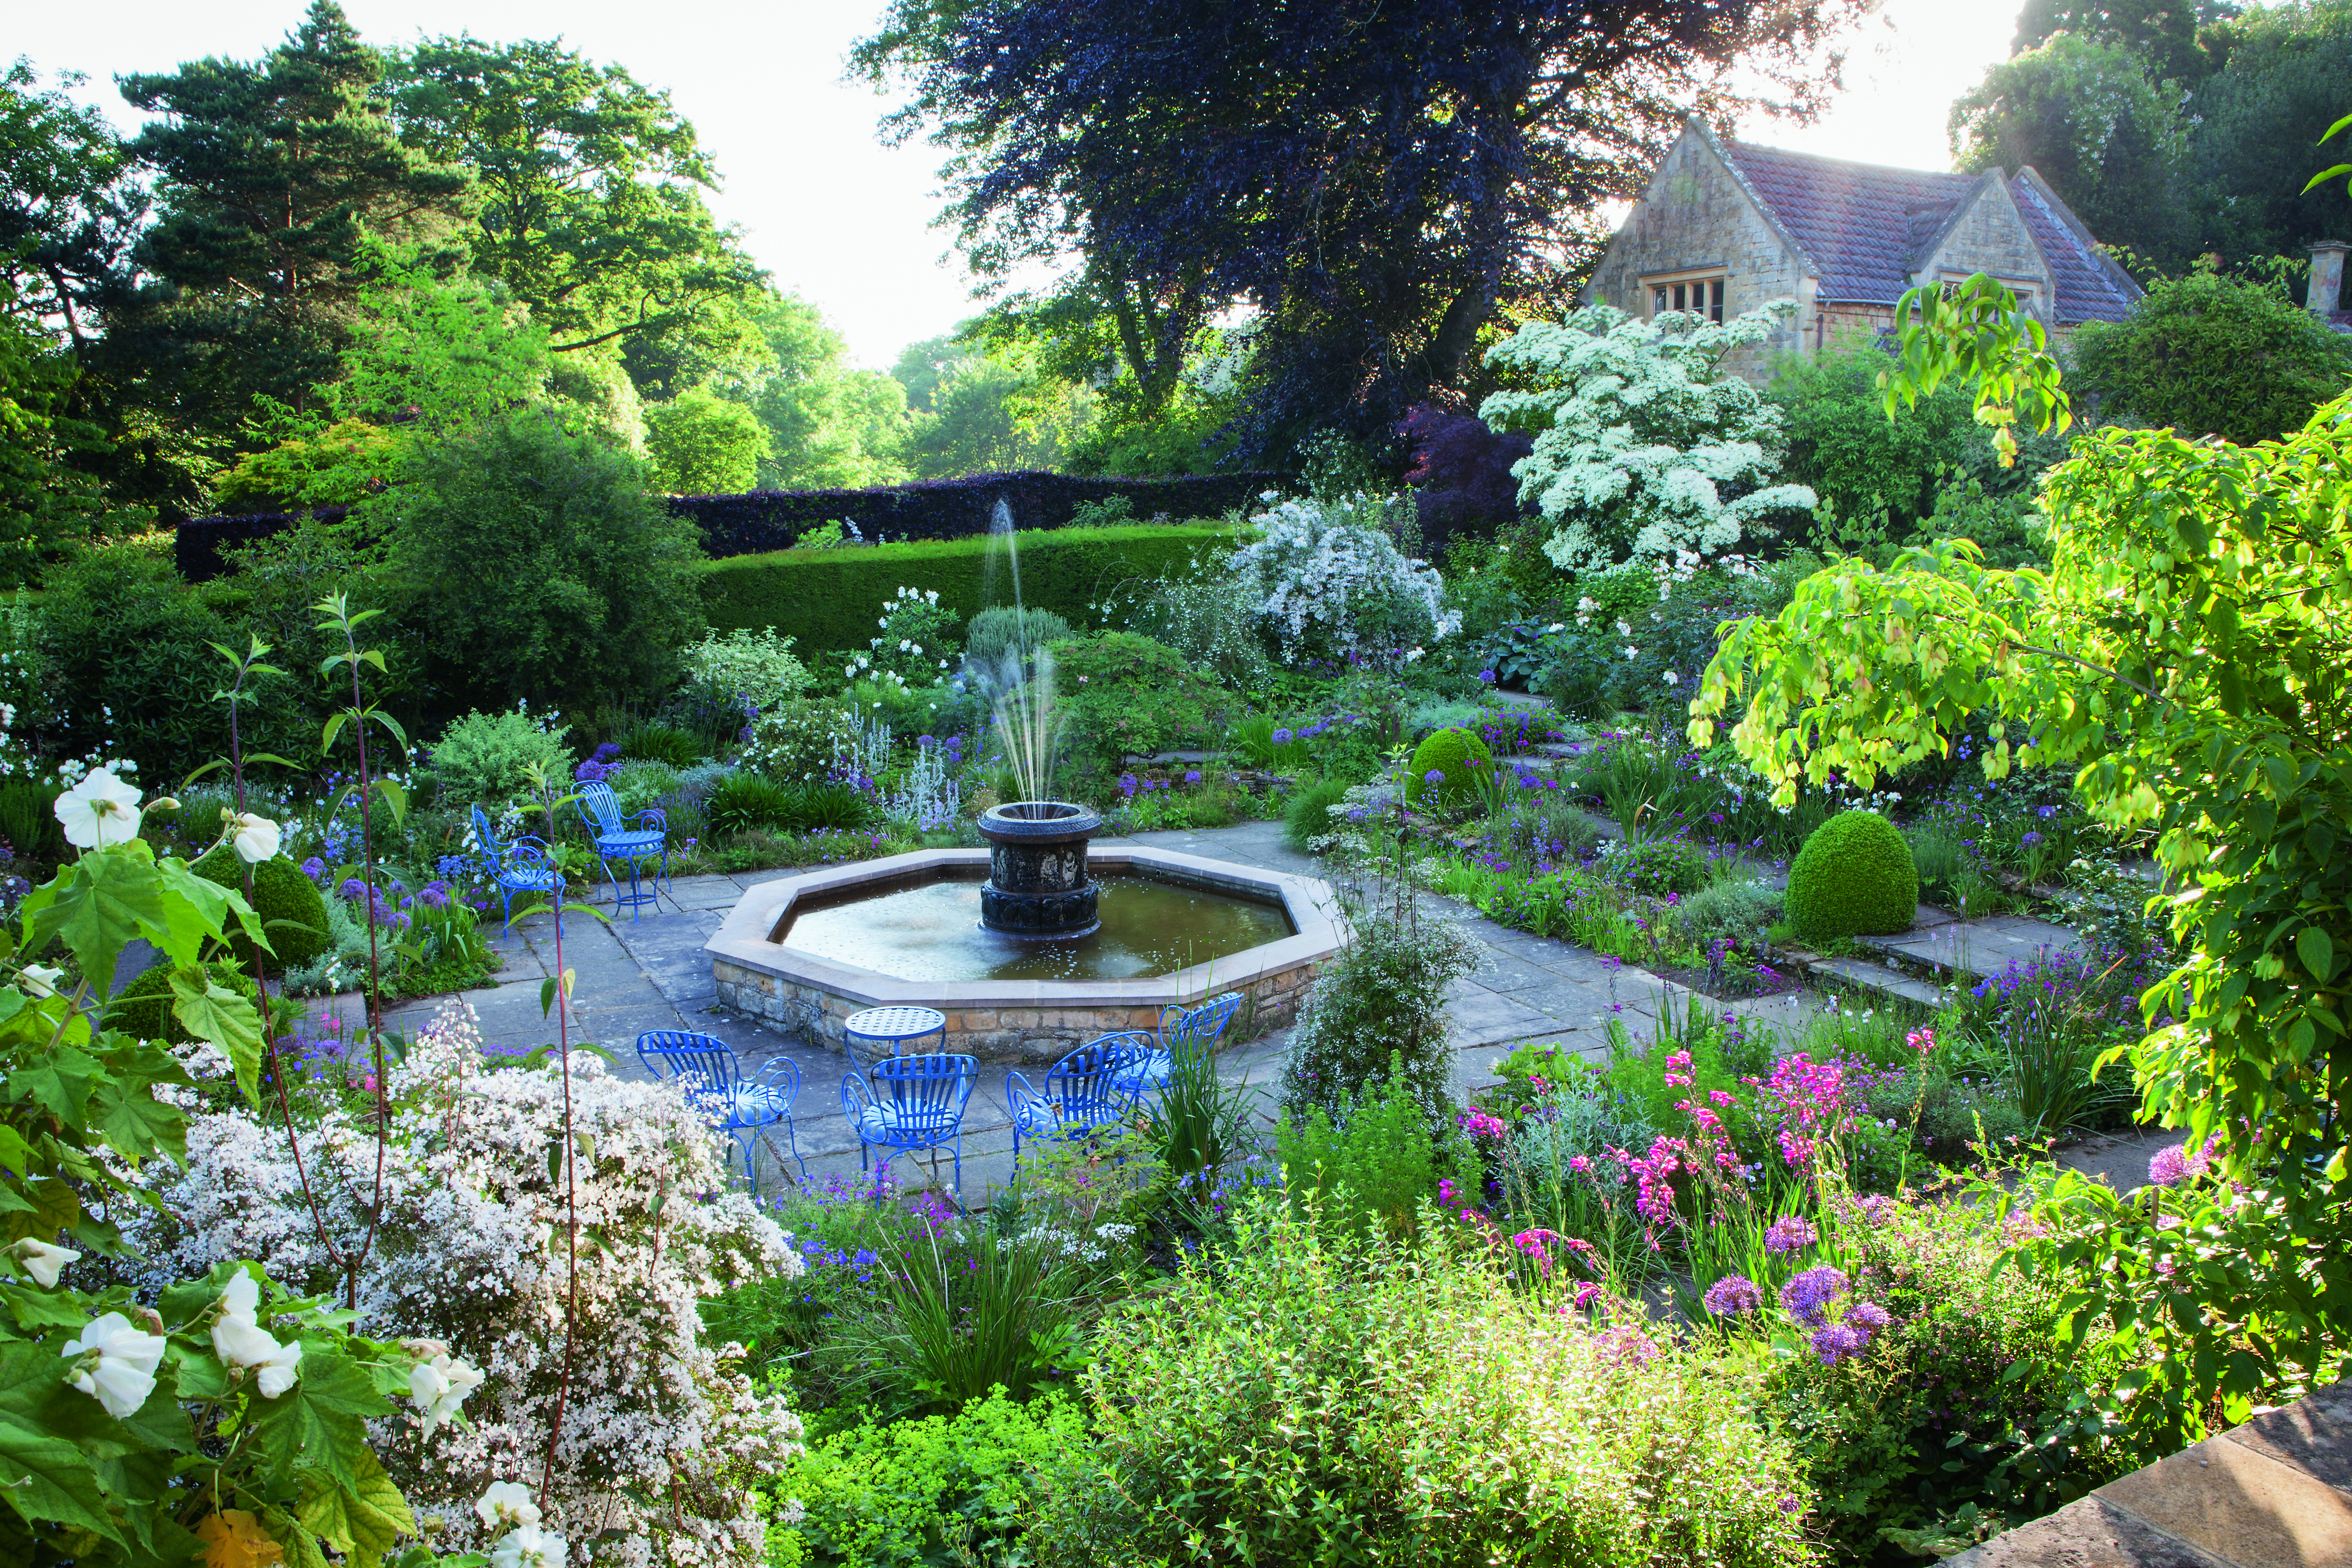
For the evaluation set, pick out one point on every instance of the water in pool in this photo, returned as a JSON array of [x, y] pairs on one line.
[[931, 931]]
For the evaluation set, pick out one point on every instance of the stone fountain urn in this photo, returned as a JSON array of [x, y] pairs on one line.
[[1037, 887]]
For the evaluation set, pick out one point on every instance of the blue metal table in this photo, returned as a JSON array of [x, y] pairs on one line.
[[879, 1032]]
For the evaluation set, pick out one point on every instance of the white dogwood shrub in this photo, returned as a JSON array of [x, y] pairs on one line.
[[1641, 450], [663, 1440], [1327, 580]]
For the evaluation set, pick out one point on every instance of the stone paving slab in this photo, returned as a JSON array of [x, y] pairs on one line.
[[2273, 1493]]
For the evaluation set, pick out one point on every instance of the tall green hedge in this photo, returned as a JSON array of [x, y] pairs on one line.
[[831, 599]]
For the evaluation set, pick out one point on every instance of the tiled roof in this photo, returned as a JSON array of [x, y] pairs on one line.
[[1864, 228], [2088, 287], [1854, 220]]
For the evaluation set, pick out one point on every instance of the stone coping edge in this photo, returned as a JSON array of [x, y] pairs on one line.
[[746, 937]]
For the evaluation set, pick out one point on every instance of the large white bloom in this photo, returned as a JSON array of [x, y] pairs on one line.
[[239, 1339], [529, 1547], [439, 1387], [43, 1262], [508, 1504], [255, 838], [40, 979], [102, 809], [115, 1363]]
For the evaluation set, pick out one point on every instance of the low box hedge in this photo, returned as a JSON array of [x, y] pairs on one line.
[[831, 599]]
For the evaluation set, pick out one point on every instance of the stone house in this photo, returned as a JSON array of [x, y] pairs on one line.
[[1726, 226]]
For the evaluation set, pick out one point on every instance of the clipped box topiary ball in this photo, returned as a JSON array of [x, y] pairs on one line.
[[1855, 877], [143, 1007], [293, 915], [1448, 752]]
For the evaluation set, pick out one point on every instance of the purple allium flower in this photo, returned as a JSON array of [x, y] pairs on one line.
[[1807, 1297], [1788, 1235], [925, 742], [352, 890], [1435, 776], [1191, 776], [1878, 1208], [2030, 840], [315, 869], [435, 894], [1868, 1316], [1282, 738], [2171, 1166], [1733, 1295], [1835, 1342]]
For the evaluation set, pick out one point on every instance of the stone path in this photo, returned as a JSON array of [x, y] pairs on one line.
[[2275, 1493], [649, 974], [635, 976]]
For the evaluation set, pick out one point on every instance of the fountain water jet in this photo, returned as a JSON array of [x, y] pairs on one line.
[[1038, 888]]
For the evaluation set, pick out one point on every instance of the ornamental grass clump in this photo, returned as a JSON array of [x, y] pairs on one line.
[[1314, 1400]]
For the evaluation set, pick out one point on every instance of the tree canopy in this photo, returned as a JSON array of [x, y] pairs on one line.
[[590, 187], [1371, 179]]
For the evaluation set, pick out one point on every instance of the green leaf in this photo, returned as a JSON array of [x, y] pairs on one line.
[[364, 1522], [210, 1011], [321, 1420], [44, 1475], [301, 1547], [2317, 953]]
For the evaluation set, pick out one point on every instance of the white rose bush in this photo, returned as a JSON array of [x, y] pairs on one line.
[[1643, 450], [1327, 581]]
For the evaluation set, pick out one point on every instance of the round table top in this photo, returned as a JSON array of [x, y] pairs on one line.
[[895, 1023]]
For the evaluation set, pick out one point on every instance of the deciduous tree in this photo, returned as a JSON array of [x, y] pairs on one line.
[[1369, 178]]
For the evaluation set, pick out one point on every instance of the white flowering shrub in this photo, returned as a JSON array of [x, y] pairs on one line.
[[757, 666], [1328, 581], [801, 742], [1641, 451], [662, 1439]]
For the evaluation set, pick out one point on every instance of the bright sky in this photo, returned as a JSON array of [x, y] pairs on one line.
[[836, 216]]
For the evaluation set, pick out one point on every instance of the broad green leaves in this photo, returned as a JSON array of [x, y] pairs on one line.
[[2189, 655], [1975, 333]]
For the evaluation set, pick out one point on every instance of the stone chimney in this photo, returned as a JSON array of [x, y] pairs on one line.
[[2327, 277]]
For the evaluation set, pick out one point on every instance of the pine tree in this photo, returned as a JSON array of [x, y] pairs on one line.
[[273, 173]]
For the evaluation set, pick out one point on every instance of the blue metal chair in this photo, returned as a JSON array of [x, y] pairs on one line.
[[916, 1103], [1090, 1089], [712, 1076], [1198, 1029], [518, 865], [600, 809]]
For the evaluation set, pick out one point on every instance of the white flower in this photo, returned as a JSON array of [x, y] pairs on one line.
[[1672, 678], [239, 1339], [439, 1387], [1557, 626], [42, 1260], [529, 1547], [255, 838], [1623, 630], [115, 1363], [41, 979], [99, 811], [507, 1504]]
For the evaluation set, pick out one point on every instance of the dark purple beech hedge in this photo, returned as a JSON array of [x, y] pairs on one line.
[[774, 519]]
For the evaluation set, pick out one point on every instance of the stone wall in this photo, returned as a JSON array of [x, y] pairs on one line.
[[1697, 213], [1035, 1034], [1991, 237]]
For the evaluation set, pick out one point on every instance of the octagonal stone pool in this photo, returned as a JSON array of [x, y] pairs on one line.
[[803, 952]]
